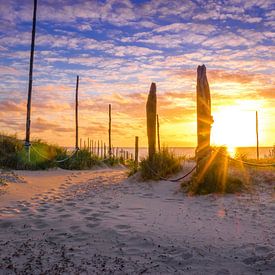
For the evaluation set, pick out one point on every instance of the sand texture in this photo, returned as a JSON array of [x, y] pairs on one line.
[[100, 222]]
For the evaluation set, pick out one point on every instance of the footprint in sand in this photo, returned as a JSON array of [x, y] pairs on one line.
[[65, 215], [122, 226], [85, 211], [92, 225]]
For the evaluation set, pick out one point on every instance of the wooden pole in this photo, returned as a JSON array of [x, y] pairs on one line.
[[136, 151], [28, 119], [110, 125], [92, 146], [104, 150], [80, 143], [151, 112], [257, 134], [98, 147], [158, 132], [101, 149], [76, 112], [204, 118]]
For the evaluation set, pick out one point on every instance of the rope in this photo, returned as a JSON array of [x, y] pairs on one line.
[[58, 161], [173, 180]]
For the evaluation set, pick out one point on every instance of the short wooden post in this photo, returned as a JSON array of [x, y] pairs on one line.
[[127, 155], [80, 143], [98, 147], [110, 125], [257, 134], [158, 132], [92, 147], [104, 150], [136, 150], [151, 112], [84, 144], [101, 149]]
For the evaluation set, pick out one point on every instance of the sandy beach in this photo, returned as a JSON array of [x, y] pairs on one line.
[[101, 222]]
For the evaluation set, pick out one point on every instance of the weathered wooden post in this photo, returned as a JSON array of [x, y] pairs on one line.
[[80, 143], [158, 132], [92, 147], [136, 151], [101, 149], [28, 120], [104, 150], [76, 112], [109, 131], [257, 134], [204, 118], [151, 112], [98, 148]]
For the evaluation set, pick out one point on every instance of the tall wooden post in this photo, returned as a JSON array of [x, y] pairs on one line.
[[158, 132], [151, 112], [110, 125], [136, 151], [76, 112], [204, 118], [257, 134], [28, 119]]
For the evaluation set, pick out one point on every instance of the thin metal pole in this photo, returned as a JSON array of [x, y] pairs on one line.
[[28, 120], [257, 134], [76, 112]]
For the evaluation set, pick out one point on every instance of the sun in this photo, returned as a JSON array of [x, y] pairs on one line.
[[233, 127]]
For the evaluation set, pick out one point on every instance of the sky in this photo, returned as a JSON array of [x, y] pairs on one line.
[[118, 47]]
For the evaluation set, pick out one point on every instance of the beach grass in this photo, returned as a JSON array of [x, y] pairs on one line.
[[163, 164]]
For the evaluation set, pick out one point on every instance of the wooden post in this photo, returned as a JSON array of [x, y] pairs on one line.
[[76, 112], [110, 125], [101, 149], [80, 143], [92, 147], [98, 147], [151, 112], [104, 150], [257, 134], [204, 118], [28, 119], [127, 155], [136, 151], [158, 132]]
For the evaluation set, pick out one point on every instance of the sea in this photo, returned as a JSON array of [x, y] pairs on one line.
[[189, 152]]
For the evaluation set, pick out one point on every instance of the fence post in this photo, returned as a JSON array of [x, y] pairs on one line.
[[28, 119], [257, 134], [136, 151], [110, 125], [76, 112], [151, 112], [158, 132]]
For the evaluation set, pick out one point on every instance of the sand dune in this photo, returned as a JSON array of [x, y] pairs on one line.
[[100, 222]]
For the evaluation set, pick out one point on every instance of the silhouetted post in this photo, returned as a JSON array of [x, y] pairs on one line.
[[92, 147], [101, 149], [136, 151], [98, 147], [28, 120], [204, 118], [257, 134], [76, 112], [80, 143], [158, 132], [127, 155], [110, 125], [104, 150], [151, 112]]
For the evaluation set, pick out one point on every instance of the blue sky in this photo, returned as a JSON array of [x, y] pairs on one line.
[[118, 48]]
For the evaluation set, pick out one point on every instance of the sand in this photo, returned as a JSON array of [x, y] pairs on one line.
[[100, 222]]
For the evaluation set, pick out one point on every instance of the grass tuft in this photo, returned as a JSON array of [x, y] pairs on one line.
[[163, 164]]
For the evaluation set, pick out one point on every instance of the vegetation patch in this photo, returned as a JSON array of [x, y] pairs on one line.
[[163, 164], [213, 176]]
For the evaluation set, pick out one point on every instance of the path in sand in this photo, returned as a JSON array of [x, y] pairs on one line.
[[98, 222]]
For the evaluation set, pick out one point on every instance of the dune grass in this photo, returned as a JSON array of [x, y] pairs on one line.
[[214, 176], [163, 164], [13, 155]]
